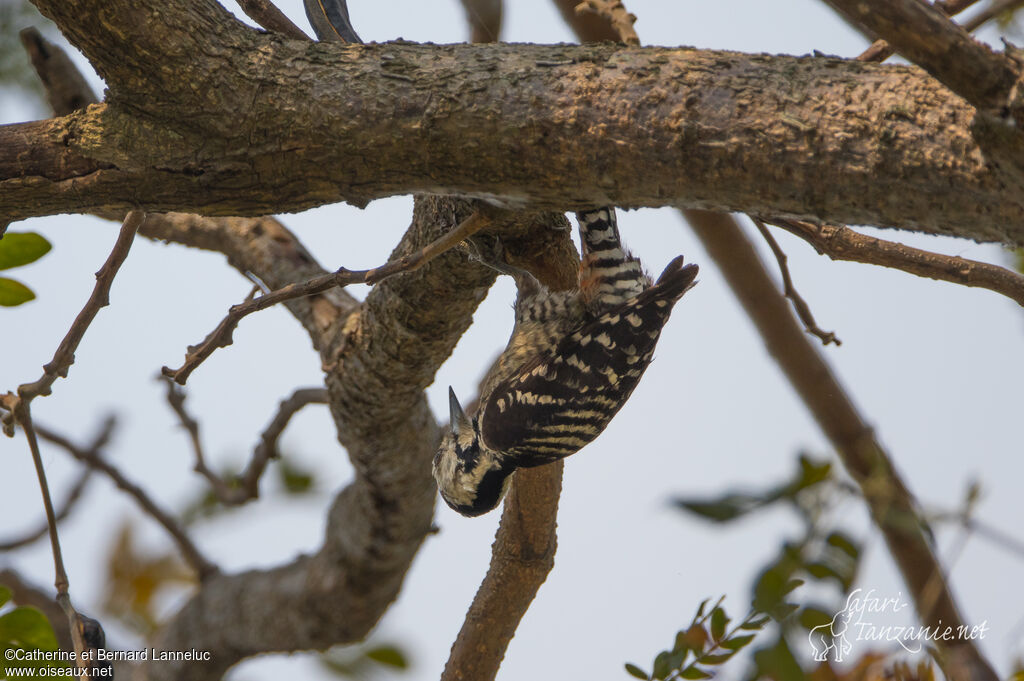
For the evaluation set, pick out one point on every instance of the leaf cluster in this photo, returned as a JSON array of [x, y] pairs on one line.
[[17, 249], [707, 642]]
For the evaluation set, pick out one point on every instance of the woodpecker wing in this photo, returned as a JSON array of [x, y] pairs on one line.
[[561, 400]]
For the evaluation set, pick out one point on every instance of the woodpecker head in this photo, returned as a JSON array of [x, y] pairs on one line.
[[471, 478]]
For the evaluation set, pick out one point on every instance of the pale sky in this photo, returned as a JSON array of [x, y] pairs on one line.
[[935, 367]]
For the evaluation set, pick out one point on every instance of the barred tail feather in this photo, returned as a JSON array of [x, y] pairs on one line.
[[675, 280], [609, 274]]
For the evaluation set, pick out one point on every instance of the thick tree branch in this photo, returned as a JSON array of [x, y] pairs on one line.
[[808, 138], [891, 505], [522, 556], [924, 35]]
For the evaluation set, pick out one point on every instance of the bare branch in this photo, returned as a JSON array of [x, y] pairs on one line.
[[64, 357], [616, 14], [842, 243], [521, 558], [222, 335], [66, 88], [484, 19], [788, 290], [891, 505], [267, 15], [752, 158], [993, 10], [880, 50]]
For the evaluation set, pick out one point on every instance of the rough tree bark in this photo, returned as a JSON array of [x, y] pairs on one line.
[[267, 124]]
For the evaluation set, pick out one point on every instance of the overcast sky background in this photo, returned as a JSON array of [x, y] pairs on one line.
[[935, 367]]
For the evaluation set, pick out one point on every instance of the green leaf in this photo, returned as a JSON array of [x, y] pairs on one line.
[[636, 672], [738, 642], [694, 673], [5, 594], [784, 610], [844, 544], [715, 660], [810, 474], [700, 610], [777, 662], [26, 627], [790, 585], [294, 479], [681, 643], [811, 617], [389, 656], [756, 624], [723, 509], [822, 571], [14, 293], [661, 668], [21, 248], [718, 623]]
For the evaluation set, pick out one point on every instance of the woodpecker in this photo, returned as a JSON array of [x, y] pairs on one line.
[[572, 361]]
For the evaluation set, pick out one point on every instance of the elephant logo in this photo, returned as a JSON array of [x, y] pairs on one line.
[[832, 636]]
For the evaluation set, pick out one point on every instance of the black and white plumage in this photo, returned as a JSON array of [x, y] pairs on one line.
[[573, 360]]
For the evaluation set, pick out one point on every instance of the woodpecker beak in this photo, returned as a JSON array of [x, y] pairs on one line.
[[458, 418]]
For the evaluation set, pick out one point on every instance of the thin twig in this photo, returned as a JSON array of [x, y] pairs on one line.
[[267, 15], [245, 486], [266, 449], [74, 494], [64, 357], [993, 10], [222, 335], [842, 243], [176, 399], [24, 417], [189, 551], [788, 290]]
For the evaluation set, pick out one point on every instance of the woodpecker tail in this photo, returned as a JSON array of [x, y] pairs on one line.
[[609, 274], [675, 280]]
